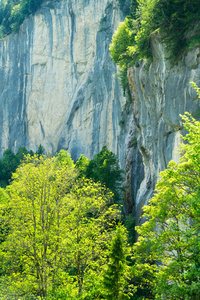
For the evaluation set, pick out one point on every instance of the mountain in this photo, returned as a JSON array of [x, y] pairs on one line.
[[58, 84], [59, 88]]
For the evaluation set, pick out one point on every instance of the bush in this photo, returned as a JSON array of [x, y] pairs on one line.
[[176, 21], [13, 13]]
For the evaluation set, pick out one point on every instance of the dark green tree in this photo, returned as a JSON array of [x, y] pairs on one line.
[[22, 151], [125, 6], [115, 277], [8, 165], [105, 168], [40, 150]]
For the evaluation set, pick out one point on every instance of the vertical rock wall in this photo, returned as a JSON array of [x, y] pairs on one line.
[[58, 85], [160, 93], [58, 88]]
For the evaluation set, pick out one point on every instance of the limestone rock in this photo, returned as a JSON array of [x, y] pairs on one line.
[[58, 84], [160, 93]]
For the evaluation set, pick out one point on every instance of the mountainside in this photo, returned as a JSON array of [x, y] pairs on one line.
[[57, 82], [160, 91], [58, 88]]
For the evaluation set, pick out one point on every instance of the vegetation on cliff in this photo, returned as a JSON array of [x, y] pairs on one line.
[[14, 12], [177, 22]]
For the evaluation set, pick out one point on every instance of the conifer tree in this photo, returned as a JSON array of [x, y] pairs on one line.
[[116, 274]]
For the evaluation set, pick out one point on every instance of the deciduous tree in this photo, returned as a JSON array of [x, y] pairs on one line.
[[59, 228]]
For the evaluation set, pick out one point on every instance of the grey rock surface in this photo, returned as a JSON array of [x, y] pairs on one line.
[[58, 84], [160, 92], [58, 88]]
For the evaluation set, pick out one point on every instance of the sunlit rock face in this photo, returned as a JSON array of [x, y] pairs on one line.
[[58, 85], [160, 93], [58, 88]]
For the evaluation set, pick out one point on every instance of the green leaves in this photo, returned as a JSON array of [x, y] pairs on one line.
[[13, 13], [176, 22], [105, 168], [54, 230], [121, 40], [117, 271]]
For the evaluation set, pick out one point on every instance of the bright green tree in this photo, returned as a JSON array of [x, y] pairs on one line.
[[65, 158], [168, 248], [54, 231], [4, 228], [116, 274], [90, 222], [33, 254], [121, 41]]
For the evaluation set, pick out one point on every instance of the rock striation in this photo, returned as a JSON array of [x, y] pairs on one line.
[[160, 92], [58, 88], [58, 85]]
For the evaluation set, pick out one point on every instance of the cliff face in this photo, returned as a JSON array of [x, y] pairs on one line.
[[160, 93], [58, 85], [58, 88]]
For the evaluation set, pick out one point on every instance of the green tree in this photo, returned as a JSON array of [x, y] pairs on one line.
[[170, 236], [65, 158], [90, 221], [81, 165], [121, 41], [33, 254], [174, 21], [125, 6], [22, 151], [116, 274], [8, 165], [4, 229], [59, 228], [105, 168], [40, 150]]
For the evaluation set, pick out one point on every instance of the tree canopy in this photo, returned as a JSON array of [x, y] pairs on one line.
[[104, 168], [55, 230], [10, 162], [13, 13]]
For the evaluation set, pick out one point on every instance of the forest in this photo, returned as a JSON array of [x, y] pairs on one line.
[[63, 234]]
